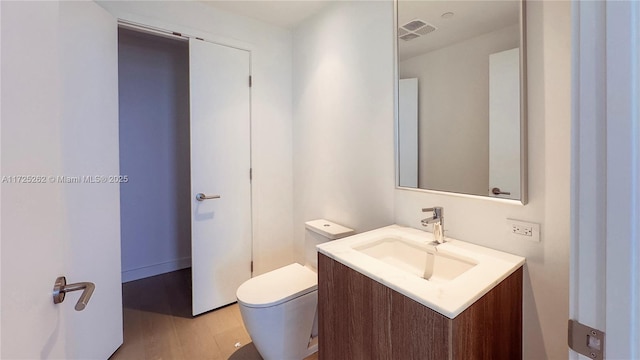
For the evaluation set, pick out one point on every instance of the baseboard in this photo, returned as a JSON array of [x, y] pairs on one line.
[[156, 269]]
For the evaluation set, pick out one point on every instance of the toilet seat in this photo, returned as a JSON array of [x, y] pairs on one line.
[[277, 286]]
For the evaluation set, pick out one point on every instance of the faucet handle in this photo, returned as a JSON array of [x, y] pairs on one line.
[[437, 211], [438, 222]]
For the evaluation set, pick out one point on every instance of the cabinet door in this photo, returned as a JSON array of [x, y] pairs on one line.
[[491, 328], [363, 319], [353, 314], [417, 332]]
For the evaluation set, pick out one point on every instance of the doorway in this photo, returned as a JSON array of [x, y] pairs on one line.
[[153, 74], [185, 151]]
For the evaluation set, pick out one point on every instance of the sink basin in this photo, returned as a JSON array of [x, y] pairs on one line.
[[447, 278], [425, 261]]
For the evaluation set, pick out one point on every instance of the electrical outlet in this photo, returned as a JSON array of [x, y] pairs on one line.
[[523, 230]]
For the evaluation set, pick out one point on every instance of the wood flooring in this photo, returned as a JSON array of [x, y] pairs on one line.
[[158, 324]]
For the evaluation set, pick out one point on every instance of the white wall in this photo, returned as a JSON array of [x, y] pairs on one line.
[[343, 117], [272, 203], [454, 111], [546, 282], [155, 207]]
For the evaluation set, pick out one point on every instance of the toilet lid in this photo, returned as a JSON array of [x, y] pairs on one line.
[[277, 286]]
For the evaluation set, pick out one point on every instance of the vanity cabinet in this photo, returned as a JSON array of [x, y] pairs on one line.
[[360, 318]]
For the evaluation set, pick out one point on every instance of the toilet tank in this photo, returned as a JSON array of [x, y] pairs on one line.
[[318, 232]]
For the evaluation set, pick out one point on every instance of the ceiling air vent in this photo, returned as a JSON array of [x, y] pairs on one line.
[[409, 36], [426, 29], [414, 29]]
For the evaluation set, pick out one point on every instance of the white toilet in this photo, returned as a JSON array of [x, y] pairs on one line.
[[279, 308]]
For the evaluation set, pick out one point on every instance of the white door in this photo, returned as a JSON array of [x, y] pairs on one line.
[[220, 166], [504, 124], [59, 124]]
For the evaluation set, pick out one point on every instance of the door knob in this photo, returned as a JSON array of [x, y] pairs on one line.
[[497, 191], [60, 288], [202, 197]]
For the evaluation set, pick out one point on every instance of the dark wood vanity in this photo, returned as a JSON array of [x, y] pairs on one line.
[[360, 318]]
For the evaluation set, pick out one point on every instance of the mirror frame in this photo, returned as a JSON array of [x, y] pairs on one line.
[[524, 145]]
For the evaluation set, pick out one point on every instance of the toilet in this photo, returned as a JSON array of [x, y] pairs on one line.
[[280, 308]]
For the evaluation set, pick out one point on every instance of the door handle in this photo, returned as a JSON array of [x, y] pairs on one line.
[[497, 191], [203, 197], [60, 288]]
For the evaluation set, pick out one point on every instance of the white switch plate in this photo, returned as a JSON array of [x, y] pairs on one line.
[[522, 230]]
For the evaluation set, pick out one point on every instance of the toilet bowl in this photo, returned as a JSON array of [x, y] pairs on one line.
[[279, 308]]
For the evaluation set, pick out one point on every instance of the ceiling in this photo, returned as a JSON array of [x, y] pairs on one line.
[[470, 19], [287, 14]]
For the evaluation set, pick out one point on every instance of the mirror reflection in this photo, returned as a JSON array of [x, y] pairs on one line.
[[459, 105]]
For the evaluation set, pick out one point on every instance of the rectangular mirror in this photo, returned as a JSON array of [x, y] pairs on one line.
[[461, 107]]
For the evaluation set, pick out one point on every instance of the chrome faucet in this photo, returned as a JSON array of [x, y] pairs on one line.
[[438, 222]]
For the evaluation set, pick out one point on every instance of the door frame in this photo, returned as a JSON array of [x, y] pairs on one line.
[[159, 28], [605, 204]]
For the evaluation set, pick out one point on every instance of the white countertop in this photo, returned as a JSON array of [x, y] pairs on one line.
[[450, 298]]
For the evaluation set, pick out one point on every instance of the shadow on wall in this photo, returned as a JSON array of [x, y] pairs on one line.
[[533, 341]]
